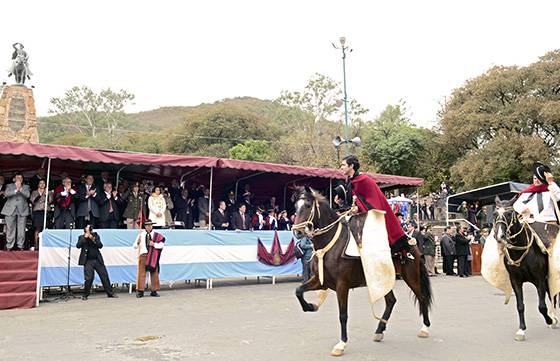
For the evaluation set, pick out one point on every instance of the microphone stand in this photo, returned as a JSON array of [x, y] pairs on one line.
[[68, 295]]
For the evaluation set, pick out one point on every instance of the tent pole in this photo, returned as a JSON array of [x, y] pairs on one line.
[[418, 208], [118, 174], [330, 192], [447, 211], [247, 177], [47, 195], [187, 174], [210, 199]]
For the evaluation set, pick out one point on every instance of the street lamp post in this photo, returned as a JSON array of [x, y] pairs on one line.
[[344, 47]]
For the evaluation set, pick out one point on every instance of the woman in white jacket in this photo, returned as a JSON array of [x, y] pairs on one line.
[[157, 207]]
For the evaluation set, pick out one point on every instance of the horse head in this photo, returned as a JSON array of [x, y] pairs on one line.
[[20, 59], [505, 219], [312, 211]]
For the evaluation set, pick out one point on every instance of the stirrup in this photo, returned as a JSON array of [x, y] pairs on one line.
[[410, 256]]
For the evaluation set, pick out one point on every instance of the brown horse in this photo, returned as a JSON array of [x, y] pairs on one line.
[[342, 274]]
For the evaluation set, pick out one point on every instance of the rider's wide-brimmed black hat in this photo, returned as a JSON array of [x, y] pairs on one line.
[[539, 169], [148, 222]]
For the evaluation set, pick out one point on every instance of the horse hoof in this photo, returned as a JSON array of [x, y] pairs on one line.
[[377, 337], [520, 335], [424, 332], [338, 349], [554, 323], [315, 307], [337, 352]]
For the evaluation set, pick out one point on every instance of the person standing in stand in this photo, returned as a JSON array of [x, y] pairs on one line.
[[16, 211], [110, 204], [157, 207], [65, 197], [38, 198], [135, 207]]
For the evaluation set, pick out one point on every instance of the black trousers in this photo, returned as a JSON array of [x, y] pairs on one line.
[[306, 270], [81, 222], [462, 265], [109, 224], [64, 220], [89, 267], [448, 261]]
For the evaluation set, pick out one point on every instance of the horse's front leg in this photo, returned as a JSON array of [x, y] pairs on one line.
[[518, 289], [390, 301], [342, 296], [312, 284]]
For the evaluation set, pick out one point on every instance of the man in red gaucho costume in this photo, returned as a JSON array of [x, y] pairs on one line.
[[362, 189]]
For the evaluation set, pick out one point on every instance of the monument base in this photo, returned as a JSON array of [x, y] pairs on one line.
[[18, 121]]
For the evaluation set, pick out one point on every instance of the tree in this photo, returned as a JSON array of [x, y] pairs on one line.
[[314, 116], [214, 131], [500, 117], [88, 112], [392, 144], [258, 150]]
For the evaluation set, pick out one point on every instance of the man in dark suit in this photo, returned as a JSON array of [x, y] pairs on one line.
[[462, 250], [16, 211], [240, 221], [65, 209], [110, 205], [220, 217], [88, 210], [34, 181], [448, 251], [92, 260]]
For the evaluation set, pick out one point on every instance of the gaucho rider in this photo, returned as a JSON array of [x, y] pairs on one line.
[[367, 195], [536, 202]]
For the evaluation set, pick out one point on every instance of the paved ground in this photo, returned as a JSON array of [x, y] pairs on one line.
[[248, 321]]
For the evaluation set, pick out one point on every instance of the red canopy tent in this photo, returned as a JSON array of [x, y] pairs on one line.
[[266, 179]]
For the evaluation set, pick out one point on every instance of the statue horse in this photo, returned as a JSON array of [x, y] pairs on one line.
[[341, 274], [20, 70], [525, 259]]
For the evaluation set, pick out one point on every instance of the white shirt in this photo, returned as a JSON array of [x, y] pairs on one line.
[[261, 219], [531, 201], [142, 249]]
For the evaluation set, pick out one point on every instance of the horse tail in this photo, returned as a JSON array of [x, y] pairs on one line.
[[425, 289]]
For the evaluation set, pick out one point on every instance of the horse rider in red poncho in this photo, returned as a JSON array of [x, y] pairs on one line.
[[364, 193]]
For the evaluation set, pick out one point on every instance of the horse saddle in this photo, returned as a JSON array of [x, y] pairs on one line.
[[546, 232]]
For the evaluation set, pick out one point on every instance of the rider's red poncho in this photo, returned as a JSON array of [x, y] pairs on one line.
[[369, 196]]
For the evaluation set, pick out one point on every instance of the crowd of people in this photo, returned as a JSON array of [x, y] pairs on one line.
[[98, 201]]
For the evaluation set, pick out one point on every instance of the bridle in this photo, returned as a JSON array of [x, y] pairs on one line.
[[308, 226], [529, 234], [310, 231]]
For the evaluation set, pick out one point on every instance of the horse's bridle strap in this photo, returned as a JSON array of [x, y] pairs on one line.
[[320, 253]]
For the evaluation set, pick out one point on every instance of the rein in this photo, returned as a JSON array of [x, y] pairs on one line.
[[312, 232], [529, 234], [309, 222]]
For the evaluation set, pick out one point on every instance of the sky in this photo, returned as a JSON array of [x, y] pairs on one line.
[[179, 53]]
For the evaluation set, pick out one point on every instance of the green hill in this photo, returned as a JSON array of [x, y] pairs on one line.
[[170, 117]]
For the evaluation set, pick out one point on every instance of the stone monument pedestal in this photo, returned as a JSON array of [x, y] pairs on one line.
[[18, 121]]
